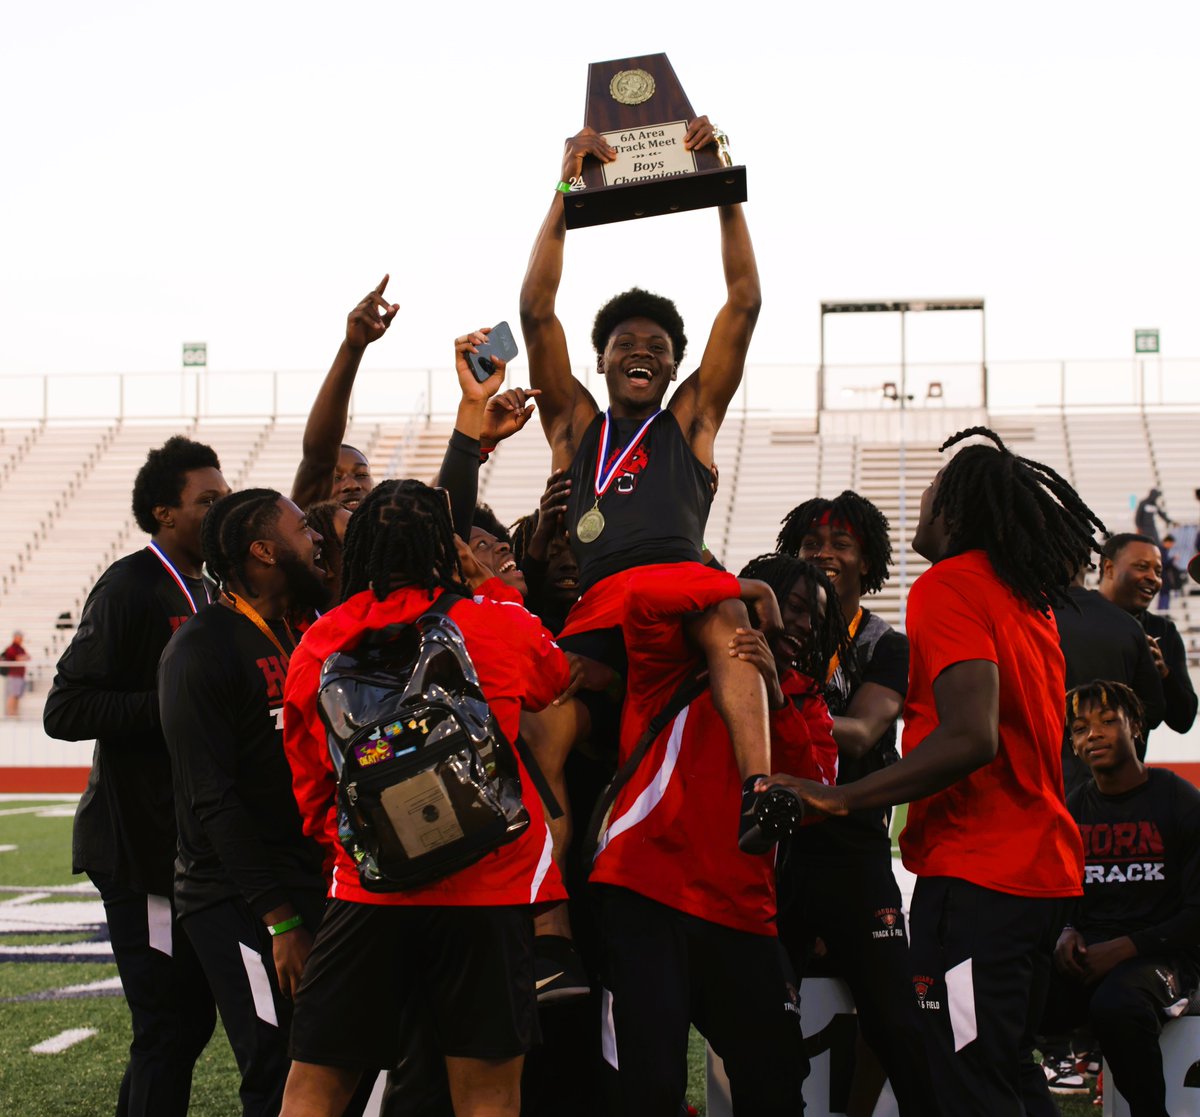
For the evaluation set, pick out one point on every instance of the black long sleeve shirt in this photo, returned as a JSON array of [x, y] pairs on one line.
[[1100, 641], [1177, 687], [1142, 864], [221, 696], [104, 688]]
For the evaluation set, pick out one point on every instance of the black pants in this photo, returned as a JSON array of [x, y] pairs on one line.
[[666, 970], [235, 950], [853, 905], [981, 961], [169, 1001], [1125, 1011]]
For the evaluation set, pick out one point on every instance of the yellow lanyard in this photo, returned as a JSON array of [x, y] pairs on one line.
[[853, 630], [248, 610]]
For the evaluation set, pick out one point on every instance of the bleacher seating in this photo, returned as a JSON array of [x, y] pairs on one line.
[[64, 489]]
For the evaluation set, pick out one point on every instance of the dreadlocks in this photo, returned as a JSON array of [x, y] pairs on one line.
[[828, 634], [322, 518], [1035, 529], [231, 526], [521, 532], [401, 533], [1108, 696], [861, 518]]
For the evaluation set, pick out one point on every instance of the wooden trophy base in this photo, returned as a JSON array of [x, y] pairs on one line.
[[722, 186]]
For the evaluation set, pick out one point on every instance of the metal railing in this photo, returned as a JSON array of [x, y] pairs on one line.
[[777, 389]]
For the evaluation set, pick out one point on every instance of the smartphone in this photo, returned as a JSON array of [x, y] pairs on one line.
[[500, 344]]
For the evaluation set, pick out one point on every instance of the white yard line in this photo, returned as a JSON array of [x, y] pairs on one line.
[[101, 950], [41, 806], [108, 985], [85, 888], [55, 1045], [28, 897]]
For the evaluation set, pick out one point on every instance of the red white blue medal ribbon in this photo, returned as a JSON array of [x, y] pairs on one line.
[[603, 480], [169, 566]]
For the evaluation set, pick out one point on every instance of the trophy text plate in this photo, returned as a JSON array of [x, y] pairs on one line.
[[646, 153]]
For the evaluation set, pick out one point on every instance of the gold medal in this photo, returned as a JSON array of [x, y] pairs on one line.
[[590, 525]]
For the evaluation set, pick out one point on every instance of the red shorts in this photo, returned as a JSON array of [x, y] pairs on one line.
[[603, 606]]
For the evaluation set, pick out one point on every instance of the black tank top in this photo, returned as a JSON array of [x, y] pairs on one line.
[[655, 510]]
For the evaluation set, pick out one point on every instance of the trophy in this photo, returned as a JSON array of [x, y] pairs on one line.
[[639, 107]]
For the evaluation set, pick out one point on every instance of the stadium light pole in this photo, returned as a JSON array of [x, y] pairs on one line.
[[903, 307]]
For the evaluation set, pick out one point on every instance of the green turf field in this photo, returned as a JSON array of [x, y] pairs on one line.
[[83, 1079]]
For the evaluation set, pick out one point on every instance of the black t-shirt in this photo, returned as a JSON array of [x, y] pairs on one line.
[[654, 511], [1142, 864], [881, 657], [104, 688], [221, 686]]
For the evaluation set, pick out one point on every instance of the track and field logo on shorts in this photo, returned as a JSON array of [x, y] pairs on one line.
[[792, 1003], [891, 929], [922, 984]]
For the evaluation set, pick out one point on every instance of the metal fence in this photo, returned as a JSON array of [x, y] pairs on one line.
[[778, 389]]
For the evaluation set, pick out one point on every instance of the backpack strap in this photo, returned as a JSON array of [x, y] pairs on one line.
[[686, 693], [446, 600], [536, 775], [441, 608]]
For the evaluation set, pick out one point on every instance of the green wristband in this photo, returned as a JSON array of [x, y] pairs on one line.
[[285, 925], [564, 187]]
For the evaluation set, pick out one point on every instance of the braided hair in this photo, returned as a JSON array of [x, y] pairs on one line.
[[866, 523], [828, 635], [230, 527], [1036, 530], [1108, 695], [322, 519], [400, 534], [521, 532]]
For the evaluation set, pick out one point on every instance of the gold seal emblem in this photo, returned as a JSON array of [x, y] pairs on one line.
[[631, 87]]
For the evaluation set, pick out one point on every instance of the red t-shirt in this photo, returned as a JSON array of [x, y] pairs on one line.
[[672, 832], [519, 668], [14, 653], [1005, 826]]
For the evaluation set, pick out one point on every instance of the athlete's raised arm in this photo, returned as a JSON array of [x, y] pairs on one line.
[[702, 399], [566, 406], [326, 426]]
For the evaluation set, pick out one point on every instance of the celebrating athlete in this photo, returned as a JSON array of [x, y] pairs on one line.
[[640, 475]]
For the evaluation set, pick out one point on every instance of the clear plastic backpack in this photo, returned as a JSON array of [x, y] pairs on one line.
[[427, 782]]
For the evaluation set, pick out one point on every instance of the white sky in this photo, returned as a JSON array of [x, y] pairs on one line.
[[243, 173]]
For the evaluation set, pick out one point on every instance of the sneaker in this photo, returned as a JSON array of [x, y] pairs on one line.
[[1088, 1064], [558, 973], [767, 816], [1063, 1078]]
